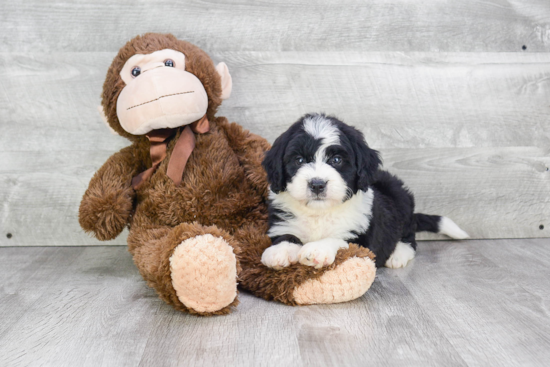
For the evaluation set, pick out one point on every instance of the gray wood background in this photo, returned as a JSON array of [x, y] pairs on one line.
[[455, 94]]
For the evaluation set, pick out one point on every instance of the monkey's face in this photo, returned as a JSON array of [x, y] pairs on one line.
[[160, 93]]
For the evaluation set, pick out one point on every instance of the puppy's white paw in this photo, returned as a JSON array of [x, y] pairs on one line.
[[281, 255], [401, 256], [321, 253]]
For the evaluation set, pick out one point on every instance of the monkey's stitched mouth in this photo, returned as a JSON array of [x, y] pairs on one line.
[[156, 99]]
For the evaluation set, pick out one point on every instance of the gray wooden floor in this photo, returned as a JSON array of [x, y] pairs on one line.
[[475, 303]]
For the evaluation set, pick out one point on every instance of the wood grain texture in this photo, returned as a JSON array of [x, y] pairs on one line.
[[53, 296], [48, 102], [288, 25], [40, 195], [489, 192], [399, 100], [412, 100], [473, 303], [513, 323]]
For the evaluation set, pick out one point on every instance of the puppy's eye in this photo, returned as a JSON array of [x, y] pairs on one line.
[[136, 71], [169, 63], [335, 161], [300, 160]]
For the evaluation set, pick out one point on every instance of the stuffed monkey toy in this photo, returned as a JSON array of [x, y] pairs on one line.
[[192, 191]]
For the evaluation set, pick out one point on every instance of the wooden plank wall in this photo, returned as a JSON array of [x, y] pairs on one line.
[[455, 94]]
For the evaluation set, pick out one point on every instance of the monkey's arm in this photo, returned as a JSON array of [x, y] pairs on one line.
[[107, 204], [250, 149]]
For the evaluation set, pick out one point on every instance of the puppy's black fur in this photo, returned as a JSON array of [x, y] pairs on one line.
[[393, 218], [392, 212]]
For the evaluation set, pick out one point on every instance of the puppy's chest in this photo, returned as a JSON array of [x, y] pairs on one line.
[[310, 228], [345, 222]]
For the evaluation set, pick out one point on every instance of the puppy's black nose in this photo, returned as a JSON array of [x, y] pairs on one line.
[[317, 186]]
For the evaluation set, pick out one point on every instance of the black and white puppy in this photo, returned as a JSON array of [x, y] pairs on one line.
[[327, 190]]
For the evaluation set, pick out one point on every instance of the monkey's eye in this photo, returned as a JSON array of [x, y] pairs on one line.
[[335, 161], [169, 63], [300, 160], [136, 71]]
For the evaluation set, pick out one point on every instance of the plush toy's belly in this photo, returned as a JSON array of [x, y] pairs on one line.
[[214, 190]]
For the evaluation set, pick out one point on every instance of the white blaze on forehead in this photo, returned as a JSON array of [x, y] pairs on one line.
[[322, 128]]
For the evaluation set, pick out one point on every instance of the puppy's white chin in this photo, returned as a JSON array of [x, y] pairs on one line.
[[322, 203]]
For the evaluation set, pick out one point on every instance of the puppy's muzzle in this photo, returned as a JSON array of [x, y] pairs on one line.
[[317, 186]]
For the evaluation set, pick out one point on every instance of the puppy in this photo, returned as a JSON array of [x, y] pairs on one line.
[[327, 190]]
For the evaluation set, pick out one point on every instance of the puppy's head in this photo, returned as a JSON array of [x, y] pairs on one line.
[[321, 162]]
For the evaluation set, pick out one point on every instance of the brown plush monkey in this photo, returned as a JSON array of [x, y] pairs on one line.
[[191, 188]]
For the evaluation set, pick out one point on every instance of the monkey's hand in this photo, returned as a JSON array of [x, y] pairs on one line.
[[107, 204]]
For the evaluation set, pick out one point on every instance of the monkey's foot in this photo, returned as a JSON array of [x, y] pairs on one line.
[[348, 281], [204, 274]]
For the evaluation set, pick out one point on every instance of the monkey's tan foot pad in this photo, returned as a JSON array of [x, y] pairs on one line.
[[348, 281], [204, 273]]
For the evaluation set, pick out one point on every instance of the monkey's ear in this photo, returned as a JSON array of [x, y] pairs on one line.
[[227, 83], [104, 119]]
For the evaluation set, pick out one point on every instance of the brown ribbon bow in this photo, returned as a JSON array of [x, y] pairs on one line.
[[182, 150]]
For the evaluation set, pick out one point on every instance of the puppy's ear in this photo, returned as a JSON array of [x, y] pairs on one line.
[[367, 160], [368, 166], [274, 165]]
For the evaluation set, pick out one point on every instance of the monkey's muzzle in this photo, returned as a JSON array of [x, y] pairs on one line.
[[161, 98]]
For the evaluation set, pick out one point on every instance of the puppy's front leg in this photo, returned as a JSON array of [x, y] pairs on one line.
[[282, 253], [321, 253]]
